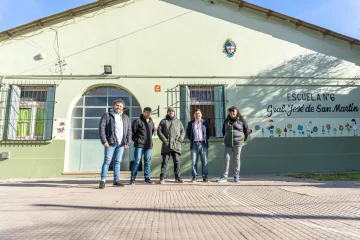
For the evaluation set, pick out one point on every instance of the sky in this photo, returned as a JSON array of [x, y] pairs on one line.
[[342, 16]]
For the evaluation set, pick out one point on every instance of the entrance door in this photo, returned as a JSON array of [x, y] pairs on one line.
[[86, 153]]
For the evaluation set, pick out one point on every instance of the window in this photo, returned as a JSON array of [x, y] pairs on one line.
[[210, 99], [30, 113]]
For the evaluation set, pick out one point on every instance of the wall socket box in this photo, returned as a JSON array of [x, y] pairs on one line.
[[5, 155]]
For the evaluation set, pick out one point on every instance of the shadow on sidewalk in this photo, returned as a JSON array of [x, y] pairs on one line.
[[273, 181], [200, 212]]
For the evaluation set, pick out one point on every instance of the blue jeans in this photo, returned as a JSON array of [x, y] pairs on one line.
[[112, 152], [138, 156], [199, 149]]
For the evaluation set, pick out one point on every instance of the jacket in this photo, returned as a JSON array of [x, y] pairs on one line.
[[205, 131], [142, 132], [236, 134], [107, 129], [171, 133]]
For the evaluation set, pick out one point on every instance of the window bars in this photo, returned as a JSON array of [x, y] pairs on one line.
[[210, 99], [26, 112]]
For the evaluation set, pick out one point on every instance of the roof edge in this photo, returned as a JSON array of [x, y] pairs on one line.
[[297, 22], [58, 17]]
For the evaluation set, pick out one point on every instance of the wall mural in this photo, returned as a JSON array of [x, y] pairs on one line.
[[300, 111]]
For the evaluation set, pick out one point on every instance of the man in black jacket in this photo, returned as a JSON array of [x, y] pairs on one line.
[[198, 132], [115, 135], [143, 129]]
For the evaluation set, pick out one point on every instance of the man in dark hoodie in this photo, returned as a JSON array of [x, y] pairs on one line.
[[171, 133], [142, 130], [235, 132], [115, 135]]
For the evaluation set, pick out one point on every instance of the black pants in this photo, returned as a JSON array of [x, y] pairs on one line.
[[176, 160]]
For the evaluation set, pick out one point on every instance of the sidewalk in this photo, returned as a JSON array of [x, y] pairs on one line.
[[260, 207]]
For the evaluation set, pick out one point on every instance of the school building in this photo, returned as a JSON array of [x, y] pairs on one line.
[[297, 85]]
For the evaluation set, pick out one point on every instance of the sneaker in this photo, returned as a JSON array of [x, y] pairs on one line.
[[236, 179], [132, 181], [162, 181], [118, 184], [148, 180], [194, 180], [179, 180], [205, 179], [222, 179], [102, 185]]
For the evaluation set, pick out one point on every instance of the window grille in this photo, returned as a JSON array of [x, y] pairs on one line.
[[26, 112], [210, 99]]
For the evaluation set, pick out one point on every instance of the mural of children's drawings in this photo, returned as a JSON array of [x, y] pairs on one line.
[[354, 127], [323, 130], [308, 129], [271, 127], [315, 130]]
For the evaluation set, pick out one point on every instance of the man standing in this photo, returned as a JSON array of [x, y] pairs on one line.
[[115, 135], [198, 132], [171, 133], [142, 129]]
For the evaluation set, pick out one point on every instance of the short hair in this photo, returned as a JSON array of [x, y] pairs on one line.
[[147, 109], [119, 101], [198, 109]]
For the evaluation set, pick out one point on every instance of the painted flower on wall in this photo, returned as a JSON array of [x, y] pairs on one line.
[[341, 128], [348, 128], [300, 129], [315, 129], [323, 130], [328, 127], [335, 130], [294, 132], [263, 132], [250, 132], [285, 131], [257, 127], [278, 131]]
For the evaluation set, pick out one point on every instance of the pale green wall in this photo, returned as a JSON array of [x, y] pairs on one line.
[[33, 160], [260, 155]]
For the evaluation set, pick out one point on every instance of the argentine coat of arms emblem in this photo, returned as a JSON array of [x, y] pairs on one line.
[[230, 47]]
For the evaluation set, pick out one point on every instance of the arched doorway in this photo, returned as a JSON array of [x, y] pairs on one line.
[[86, 153]]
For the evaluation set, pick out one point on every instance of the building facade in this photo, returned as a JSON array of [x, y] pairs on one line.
[[298, 88]]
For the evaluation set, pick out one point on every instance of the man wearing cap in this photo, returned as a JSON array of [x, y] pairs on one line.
[[171, 133], [142, 130]]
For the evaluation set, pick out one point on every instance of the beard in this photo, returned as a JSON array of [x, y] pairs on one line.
[[117, 111]]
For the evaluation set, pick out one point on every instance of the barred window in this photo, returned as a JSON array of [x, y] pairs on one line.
[[210, 99], [29, 112]]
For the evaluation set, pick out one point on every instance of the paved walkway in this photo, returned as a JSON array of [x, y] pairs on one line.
[[260, 207]]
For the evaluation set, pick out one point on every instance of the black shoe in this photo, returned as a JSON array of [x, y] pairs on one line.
[[132, 181], [205, 179], [194, 179], [118, 184], [148, 181], [102, 185], [179, 180]]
